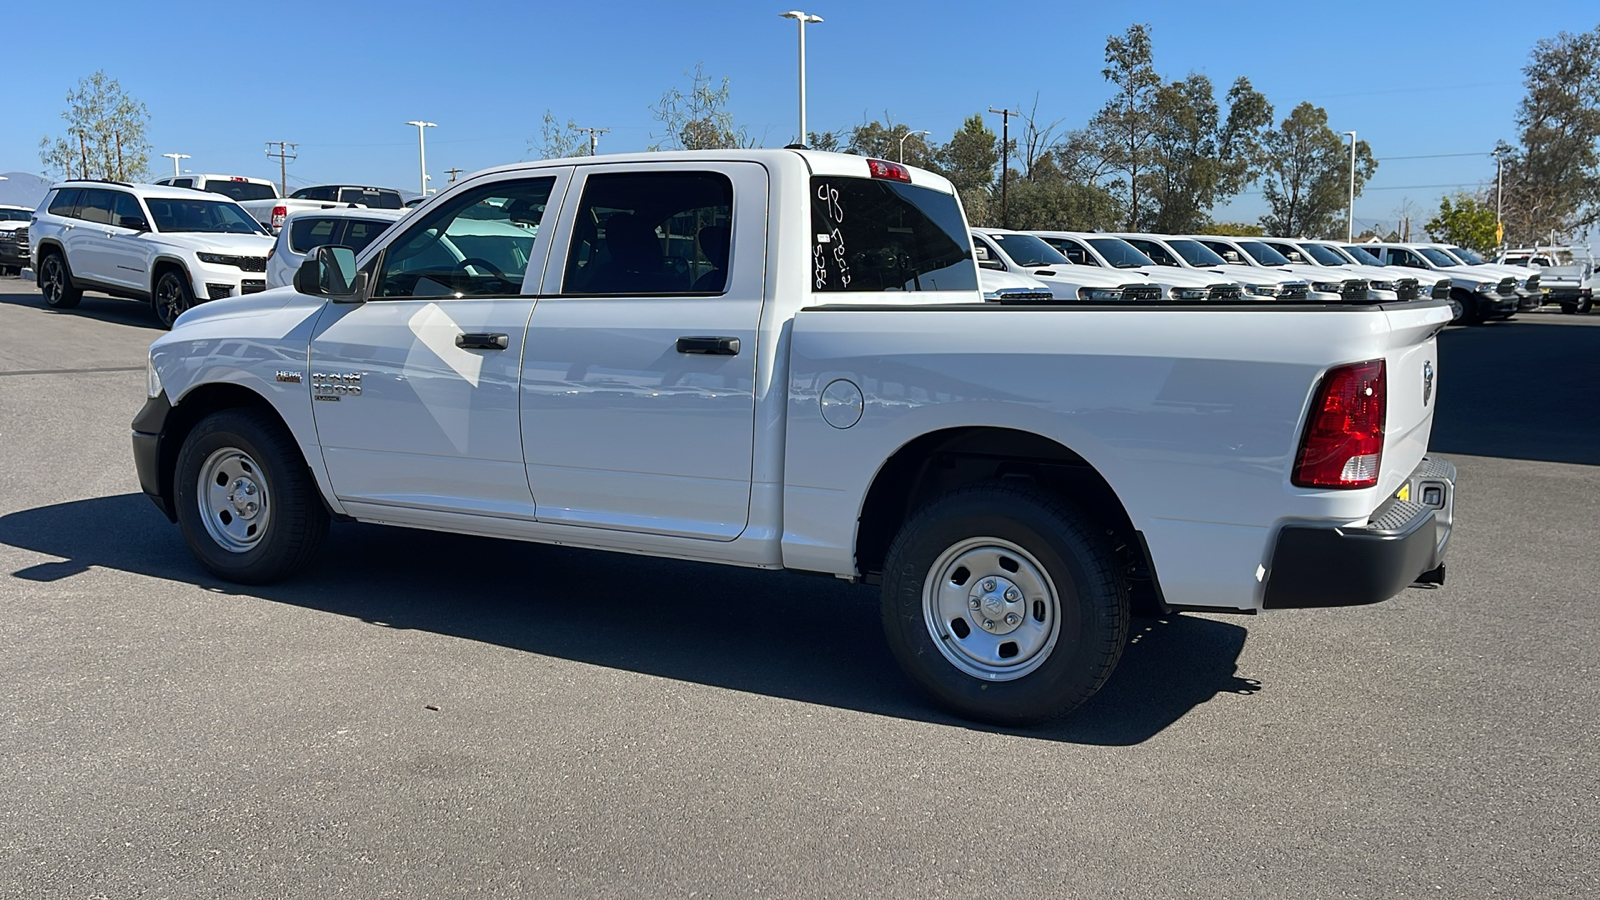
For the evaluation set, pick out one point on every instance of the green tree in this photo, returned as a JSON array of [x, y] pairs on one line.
[[105, 134], [969, 160], [1047, 200], [1467, 221], [1124, 129], [1234, 229], [698, 119], [882, 140], [1307, 174], [1552, 181]]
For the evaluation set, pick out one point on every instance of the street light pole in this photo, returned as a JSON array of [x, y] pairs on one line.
[[422, 152], [1350, 230], [175, 157], [903, 143], [1005, 160], [802, 19], [1499, 194]]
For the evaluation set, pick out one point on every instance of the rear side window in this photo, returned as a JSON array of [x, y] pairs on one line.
[[358, 233], [308, 233], [241, 190], [183, 182], [95, 206], [651, 233], [869, 234], [65, 202]]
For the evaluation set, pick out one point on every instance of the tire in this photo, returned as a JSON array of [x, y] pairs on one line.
[[1458, 309], [171, 297], [247, 505], [55, 282], [1569, 307], [977, 545], [1584, 305]]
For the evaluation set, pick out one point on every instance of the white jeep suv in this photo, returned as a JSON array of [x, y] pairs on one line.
[[167, 246]]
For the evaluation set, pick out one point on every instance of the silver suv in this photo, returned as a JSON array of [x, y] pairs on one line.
[[166, 246]]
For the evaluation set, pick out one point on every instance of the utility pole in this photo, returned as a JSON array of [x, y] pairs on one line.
[[1350, 230], [1005, 160], [175, 157], [453, 172], [594, 138], [286, 151]]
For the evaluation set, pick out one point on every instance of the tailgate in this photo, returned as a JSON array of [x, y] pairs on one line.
[[1411, 370]]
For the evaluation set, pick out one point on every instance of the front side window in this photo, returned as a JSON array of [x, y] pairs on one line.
[[1438, 257], [306, 233], [1196, 253], [1263, 254], [1324, 255], [1069, 250], [476, 245], [1120, 253], [1153, 250], [1465, 255], [358, 233], [125, 209], [871, 234], [640, 233], [1290, 252], [201, 216], [1363, 255]]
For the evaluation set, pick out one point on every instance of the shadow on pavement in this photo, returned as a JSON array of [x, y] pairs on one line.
[[1520, 390], [811, 639], [94, 306]]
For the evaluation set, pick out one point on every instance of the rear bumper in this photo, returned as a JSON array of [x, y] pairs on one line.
[[1403, 541]]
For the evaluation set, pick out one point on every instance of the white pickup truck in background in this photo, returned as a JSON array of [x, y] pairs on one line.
[[781, 359], [1566, 274], [272, 212]]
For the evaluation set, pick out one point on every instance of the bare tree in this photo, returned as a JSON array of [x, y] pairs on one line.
[[698, 119]]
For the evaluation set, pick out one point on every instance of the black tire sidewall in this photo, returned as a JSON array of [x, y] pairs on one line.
[[69, 295], [1089, 618], [271, 558], [184, 292]]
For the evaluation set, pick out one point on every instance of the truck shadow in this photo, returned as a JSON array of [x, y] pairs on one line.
[[94, 306], [810, 639], [1520, 390]]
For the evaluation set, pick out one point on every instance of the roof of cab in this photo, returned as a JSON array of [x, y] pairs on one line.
[[816, 162]]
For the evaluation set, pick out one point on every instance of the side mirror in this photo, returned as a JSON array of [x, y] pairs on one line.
[[134, 222], [995, 264], [331, 272]]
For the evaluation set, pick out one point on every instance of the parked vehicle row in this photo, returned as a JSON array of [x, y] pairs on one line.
[[782, 359], [262, 200]]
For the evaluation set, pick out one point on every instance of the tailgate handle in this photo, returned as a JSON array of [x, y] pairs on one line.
[[483, 341], [713, 346]]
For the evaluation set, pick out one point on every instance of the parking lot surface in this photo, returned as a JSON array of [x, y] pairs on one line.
[[434, 715]]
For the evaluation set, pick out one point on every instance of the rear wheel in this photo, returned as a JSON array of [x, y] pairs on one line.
[[246, 503], [55, 282], [1004, 604], [172, 296]]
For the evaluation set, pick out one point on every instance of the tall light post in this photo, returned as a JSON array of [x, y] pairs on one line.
[[422, 153], [802, 19], [175, 157], [1350, 230], [903, 143]]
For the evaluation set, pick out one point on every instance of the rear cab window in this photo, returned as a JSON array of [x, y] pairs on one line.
[[241, 190], [872, 234]]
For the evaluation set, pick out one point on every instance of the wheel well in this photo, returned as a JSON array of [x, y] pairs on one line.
[[162, 266], [942, 461], [196, 405]]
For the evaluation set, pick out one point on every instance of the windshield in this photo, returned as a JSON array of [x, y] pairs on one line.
[[1324, 255], [1438, 257], [204, 216], [15, 215], [1026, 250], [1465, 255], [1196, 254], [241, 190], [1262, 254], [1120, 253], [1362, 255]]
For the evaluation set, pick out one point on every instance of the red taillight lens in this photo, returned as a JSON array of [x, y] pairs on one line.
[[893, 171], [279, 213], [1343, 443]]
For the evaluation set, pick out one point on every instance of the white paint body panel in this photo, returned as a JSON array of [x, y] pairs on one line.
[[589, 430]]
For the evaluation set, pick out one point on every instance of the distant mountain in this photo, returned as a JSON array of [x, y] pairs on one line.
[[22, 189]]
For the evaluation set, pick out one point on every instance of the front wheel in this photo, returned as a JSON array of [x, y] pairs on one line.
[[172, 297], [1005, 604], [246, 503]]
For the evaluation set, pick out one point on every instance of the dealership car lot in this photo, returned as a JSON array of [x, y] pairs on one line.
[[430, 714]]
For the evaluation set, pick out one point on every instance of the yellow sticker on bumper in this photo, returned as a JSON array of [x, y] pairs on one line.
[[1405, 491]]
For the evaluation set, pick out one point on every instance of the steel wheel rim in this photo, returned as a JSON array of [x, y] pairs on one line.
[[971, 584], [169, 299], [233, 500], [1456, 309], [52, 280]]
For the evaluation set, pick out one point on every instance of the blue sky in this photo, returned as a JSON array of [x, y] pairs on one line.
[[1413, 79]]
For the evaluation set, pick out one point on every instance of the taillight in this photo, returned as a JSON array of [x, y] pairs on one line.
[[881, 168], [279, 213], [1343, 443]]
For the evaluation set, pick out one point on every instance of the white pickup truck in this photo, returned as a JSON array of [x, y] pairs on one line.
[[781, 359], [272, 211]]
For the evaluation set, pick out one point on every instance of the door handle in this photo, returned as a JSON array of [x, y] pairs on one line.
[[711, 346], [483, 341]]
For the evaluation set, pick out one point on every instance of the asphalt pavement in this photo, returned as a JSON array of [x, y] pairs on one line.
[[426, 715]]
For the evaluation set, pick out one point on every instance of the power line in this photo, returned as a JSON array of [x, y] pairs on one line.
[[1431, 156]]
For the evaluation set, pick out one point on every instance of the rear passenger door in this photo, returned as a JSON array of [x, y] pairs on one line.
[[638, 377]]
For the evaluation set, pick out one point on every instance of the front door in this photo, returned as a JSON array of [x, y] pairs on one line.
[[415, 392], [638, 389]]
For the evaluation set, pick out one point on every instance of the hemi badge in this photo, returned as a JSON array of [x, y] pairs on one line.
[[288, 377]]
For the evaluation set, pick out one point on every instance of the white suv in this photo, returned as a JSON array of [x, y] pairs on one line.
[[170, 247], [306, 230]]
